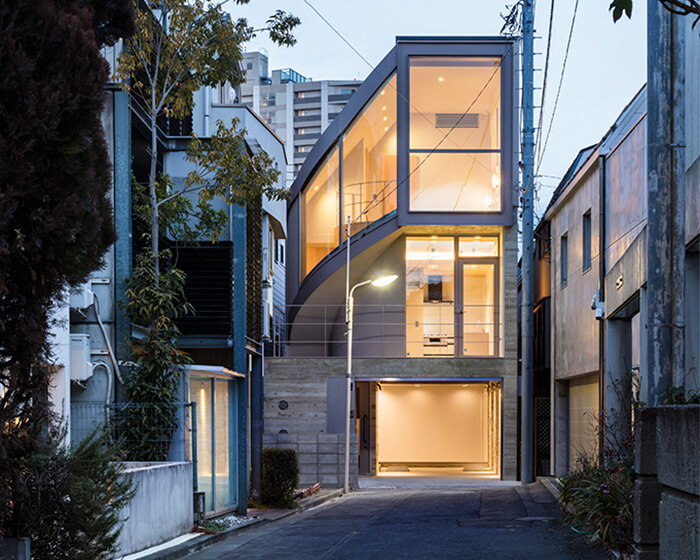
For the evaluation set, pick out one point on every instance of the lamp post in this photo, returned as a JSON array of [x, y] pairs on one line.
[[349, 308]]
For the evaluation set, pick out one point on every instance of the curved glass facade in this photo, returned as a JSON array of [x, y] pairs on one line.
[[368, 170], [450, 129], [369, 161]]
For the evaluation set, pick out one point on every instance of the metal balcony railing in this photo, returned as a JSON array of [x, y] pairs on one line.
[[389, 330]]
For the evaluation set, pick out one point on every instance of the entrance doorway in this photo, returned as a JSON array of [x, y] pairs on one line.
[[418, 427]]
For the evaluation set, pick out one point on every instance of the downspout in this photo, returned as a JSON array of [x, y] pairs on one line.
[[600, 307], [207, 111]]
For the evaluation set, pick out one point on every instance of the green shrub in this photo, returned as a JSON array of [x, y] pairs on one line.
[[71, 500], [280, 476], [597, 500]]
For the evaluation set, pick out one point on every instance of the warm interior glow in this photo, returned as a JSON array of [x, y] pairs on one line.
[[369, 162], [463, 114], [432, 423]]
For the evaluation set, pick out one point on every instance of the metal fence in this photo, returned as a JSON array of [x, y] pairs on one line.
[[390, 330], [144, 431]]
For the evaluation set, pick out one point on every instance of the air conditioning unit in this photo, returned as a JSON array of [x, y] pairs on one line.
[[81, 296], [80, 366]]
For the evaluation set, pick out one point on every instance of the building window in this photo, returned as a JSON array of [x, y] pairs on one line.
[[225, 94], [455, 149], [369, 161], [319, 214], [267, 100], [300, 149], [452, 296], [587, 240], [309, 130], [279, 251], [249, 66], [564, 257]]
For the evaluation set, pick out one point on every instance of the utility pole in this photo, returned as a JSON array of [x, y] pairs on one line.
[[528, 198], [665, 202]]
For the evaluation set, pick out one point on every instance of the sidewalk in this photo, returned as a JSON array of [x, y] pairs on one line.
[[186, 544]]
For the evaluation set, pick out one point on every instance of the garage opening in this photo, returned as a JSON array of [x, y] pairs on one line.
[[427, 428]]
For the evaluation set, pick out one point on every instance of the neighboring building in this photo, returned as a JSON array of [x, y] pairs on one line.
[[232, 285], [422, 161], [594, 233], [298, 109]]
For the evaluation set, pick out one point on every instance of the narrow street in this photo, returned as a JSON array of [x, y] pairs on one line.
[[510, 523]]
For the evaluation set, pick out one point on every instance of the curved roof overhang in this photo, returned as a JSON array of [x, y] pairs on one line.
[[336, 129]]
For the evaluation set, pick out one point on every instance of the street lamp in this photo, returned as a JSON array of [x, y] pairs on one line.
[[349, 308]]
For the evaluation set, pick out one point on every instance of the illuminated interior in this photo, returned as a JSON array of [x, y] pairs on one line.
[[448, 425], [455, 134], [319, 214], [369, 161], [452, 301]]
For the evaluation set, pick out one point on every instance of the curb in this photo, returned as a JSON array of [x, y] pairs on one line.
[[551, 484], [203, 541], [313, 501], [198, 543]]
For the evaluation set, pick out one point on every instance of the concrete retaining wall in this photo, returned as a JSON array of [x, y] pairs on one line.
[[667, 489], [161, 508], [321, 457]]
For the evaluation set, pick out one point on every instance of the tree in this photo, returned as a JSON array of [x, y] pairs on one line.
[[54, 180], [679, 7], [180, 46]]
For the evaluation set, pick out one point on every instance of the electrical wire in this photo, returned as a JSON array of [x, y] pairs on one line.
[[561, 80], [544, 80]]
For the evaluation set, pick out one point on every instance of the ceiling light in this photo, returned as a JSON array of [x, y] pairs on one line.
[[384, 108], [386, 128], [385, 118], [441, 79], [382, 92]]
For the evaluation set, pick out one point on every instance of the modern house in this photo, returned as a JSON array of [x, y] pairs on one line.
[[420, 168], [298, 109]]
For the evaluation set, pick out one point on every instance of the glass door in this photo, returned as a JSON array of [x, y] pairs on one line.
[[476, 314]]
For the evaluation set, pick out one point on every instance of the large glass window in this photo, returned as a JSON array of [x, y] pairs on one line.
[[452, 297], [319, 214], [455, 134], [430, 296], [369, 161]]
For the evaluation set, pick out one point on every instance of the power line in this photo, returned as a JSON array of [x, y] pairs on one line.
[[561, 80], [544, 81], [445, 136]]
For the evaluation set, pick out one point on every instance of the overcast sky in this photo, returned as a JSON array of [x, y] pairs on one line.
[[606, 65]]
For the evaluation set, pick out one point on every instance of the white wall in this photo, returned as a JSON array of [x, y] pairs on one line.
[[436, 423]]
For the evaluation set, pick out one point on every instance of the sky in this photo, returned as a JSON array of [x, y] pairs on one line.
[[605, 68]]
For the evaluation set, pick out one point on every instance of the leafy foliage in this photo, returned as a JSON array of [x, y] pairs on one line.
[[678, 7], [153, 381], [597, 499], [180, 46], [280, 476], [596, 495], [70, 501], [226, 170], [54, 181]]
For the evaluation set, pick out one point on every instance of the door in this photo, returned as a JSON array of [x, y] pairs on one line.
[[476, 312], [363, 407]]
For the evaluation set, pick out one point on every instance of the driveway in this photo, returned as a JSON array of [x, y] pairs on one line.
[[513, 523]]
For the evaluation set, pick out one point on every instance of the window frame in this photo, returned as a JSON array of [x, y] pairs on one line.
[[564, 260], [458, 48], [587, 241]]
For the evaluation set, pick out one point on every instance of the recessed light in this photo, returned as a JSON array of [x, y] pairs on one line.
[[385, 118], [384, 108], [386, 128], [315, 188], [382, 92], [441, 79]]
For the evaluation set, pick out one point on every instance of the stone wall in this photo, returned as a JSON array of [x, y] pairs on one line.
[[667, 488], [321, 457]]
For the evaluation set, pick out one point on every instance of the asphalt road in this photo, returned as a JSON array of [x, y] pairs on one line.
[[510, 523]]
